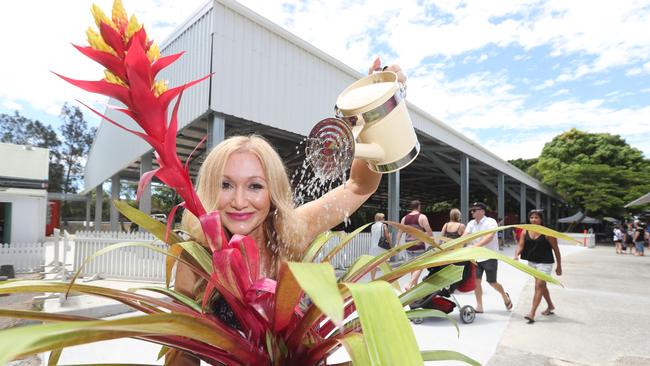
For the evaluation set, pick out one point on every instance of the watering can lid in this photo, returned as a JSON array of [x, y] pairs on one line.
[[371, 90]]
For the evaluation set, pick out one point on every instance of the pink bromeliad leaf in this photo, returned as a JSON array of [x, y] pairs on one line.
[[163, 62], [250, 255], [189, 158], [140, 36], [151, 115], [211, 225], [112, 38], [101, 87], [144, 180], [105, 59], [143, 136], [166, 97]]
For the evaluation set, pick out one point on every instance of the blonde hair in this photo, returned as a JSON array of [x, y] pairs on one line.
[[454, 215], [281, 228], [379, 216]]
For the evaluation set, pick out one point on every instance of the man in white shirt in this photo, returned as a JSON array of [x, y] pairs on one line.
[[481, 222]]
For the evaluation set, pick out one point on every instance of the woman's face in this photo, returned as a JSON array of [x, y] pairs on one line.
[[535, 219], [244, 201]]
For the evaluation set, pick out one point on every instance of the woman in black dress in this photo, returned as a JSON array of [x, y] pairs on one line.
[[538, 249]]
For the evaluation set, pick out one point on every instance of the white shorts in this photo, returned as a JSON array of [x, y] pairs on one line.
[[542, 267]]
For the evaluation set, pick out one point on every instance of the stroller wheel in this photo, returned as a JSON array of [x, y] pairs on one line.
[[417, 320], [467, 314]]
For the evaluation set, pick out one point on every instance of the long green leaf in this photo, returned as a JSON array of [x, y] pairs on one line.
[[420, 235], [163, 351], [316, 245], [462, 255], [125, 245], [319, 283], [359, 263], [387, 332], [55, 355], [287, 296], [386, 268], [16, 342], [435, 282], [535, 228], [199, 253], [131, 299], [448, 356], [173, 294], [42, 316], [356, 347], [346, 239], [432, 313], [155, 227]]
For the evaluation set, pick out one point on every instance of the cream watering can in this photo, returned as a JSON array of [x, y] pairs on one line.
[[372, 123]]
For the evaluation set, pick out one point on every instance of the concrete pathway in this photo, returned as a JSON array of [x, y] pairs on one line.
[[601, 317]]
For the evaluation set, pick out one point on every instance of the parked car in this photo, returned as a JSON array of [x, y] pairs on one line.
[[160, 217]]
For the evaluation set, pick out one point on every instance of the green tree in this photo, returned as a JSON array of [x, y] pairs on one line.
[[18, 129], [77, 139], [523, 164], [597, 172]]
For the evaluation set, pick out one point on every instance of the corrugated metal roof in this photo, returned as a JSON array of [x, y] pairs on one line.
[[265, 74]]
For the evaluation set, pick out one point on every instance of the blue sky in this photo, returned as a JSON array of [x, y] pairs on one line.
[[509, 75]]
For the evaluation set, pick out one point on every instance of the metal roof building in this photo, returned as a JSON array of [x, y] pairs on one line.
[[268, 81]]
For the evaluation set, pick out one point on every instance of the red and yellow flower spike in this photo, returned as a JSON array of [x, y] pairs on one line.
[[132, 63]]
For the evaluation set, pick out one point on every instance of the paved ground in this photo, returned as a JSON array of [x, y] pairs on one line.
[[601, 317]]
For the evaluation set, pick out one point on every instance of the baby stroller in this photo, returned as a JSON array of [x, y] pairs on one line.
[[444, 299]]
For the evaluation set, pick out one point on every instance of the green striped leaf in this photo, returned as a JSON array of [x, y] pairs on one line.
[[448, 356], [386, 330], [319, 283]]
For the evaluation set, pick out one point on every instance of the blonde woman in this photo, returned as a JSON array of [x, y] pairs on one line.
[[377, 231], [245, 180], [453, 228]]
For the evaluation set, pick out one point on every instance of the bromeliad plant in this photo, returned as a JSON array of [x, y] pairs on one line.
[[275, 325]]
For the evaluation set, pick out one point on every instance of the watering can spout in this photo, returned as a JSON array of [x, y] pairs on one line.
[[370, 151]]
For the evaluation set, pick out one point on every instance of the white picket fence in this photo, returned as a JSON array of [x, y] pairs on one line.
[[131, 263], [358, 246], [25, 257]]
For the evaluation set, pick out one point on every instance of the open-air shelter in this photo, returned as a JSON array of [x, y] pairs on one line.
[[268, 81]]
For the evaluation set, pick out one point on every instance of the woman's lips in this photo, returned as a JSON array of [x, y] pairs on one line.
[[240, 216]]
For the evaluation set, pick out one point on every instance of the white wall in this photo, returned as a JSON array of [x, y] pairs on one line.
[[27, 217]]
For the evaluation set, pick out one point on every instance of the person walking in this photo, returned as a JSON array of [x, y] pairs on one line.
[[482, 222], [419, 221], [639, 239], [379, 235], [617, 236], [629, 238], [453, 228], [539, 249]]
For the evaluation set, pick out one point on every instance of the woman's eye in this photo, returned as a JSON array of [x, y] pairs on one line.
[[225, 185], [256, 186]]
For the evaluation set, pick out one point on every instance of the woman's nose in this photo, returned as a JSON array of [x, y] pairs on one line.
[[239, 200]]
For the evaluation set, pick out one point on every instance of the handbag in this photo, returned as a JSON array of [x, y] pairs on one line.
[[383, 242]]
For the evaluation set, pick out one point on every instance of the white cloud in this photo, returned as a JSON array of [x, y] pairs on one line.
[[36, 40], [523, 146], [595, 38], [10, 104]]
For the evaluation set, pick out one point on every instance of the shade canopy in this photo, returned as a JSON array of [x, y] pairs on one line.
[[578, 217], [640, 201]]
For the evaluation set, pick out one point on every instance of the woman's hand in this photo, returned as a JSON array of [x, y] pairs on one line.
[[376, 66], [558, 270]]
